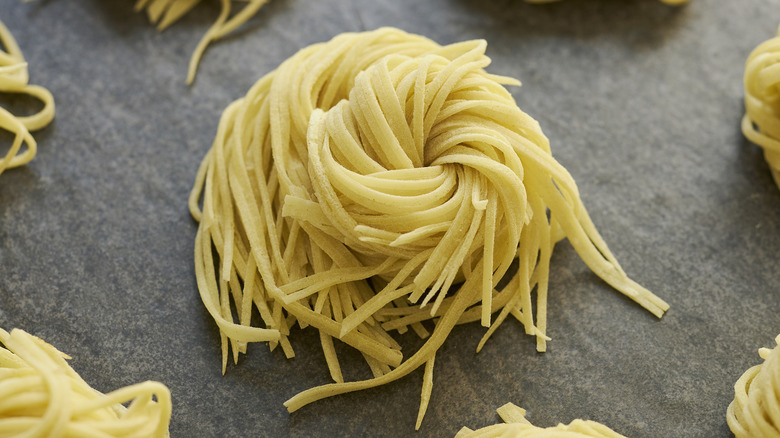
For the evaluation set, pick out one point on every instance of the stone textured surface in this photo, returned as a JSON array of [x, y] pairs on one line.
[[641, 101]]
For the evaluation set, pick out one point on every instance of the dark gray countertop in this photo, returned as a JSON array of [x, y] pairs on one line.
[[641, 101]]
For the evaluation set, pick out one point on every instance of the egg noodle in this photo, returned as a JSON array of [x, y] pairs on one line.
[[14, 79], [354, 187], [761, 123], [163, 13], [42, 396], [517, 426], [755, 411]]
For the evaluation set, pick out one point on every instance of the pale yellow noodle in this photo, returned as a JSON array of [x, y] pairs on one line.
[[14, 79], [755, 411], [354, 188], [163, 13], [517, 426], [42, 396], [761, 123]]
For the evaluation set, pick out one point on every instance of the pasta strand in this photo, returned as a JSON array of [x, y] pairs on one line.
[[14, 78], [762, 102]]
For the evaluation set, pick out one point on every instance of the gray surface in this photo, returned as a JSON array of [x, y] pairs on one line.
[[641, 101]]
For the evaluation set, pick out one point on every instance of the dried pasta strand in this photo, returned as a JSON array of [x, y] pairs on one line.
[[379, 181], [517, 426], [755, 410], [762, 102], [14, 78], [163, 13], [42, 396]]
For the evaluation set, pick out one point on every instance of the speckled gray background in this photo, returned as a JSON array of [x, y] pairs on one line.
[[641, 101]]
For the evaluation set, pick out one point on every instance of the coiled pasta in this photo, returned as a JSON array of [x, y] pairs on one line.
[[755, 411], [761, 123], [517, 426], [163, 13], [42, 396], [355, 186], [14, 78]]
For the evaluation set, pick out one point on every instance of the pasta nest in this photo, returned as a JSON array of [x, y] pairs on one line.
[[668, 2], [755, 411], [517, 426], [14, 78], [42, 396], [761, 123], [377, 181]]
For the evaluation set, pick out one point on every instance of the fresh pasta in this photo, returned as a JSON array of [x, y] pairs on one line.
[[373, 183], [517, 426], [163, 13], [761, 123], [755, 411], [42, 396], [14, 79]]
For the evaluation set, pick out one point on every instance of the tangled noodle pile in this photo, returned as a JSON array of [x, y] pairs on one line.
[[14, 79], [375, 182], [761, 123]]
